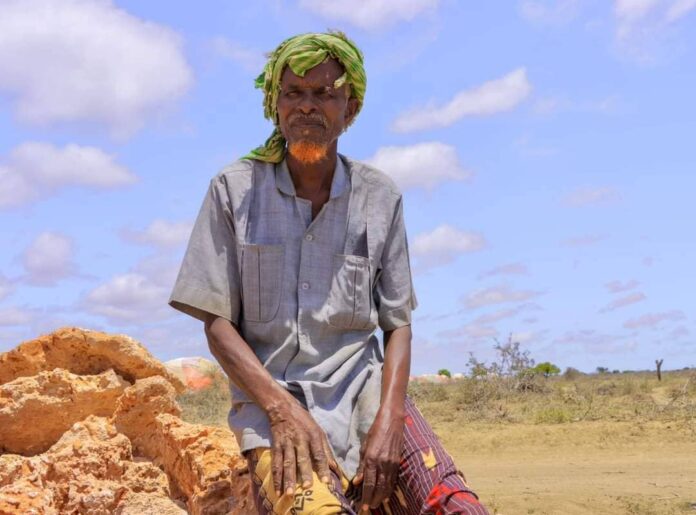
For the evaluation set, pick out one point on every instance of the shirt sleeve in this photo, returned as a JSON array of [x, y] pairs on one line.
[[208, 280], [394, 295]]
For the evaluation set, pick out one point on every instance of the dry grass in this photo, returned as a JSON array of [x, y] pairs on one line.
[[557, 400], [582, 444], [208, 406]]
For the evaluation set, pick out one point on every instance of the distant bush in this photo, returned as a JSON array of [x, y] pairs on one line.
[[572, 374], [444, 372], [547, 369]]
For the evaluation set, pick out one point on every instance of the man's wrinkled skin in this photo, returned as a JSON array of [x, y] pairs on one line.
[[313, 114]]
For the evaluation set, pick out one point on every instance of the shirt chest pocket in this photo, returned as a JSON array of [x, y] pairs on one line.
[[349, 302], [262, 281]]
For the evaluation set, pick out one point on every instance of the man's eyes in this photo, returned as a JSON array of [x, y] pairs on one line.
[[323, 93]]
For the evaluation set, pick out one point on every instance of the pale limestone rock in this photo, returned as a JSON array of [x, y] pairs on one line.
[[83, 352], [36, 411], [179, 467], [204, 462], [88, 471], [143, 504], [138, 407]]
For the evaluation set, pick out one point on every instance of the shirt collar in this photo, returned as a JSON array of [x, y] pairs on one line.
[[284, 183]]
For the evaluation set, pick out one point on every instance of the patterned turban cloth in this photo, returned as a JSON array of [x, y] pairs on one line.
[[302, 53]]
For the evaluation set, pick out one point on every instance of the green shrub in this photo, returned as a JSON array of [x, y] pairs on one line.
[[546, 369]]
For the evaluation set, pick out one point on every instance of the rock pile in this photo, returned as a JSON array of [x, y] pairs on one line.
[[89, 424]]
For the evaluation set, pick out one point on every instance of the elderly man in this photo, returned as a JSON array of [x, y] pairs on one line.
[[298, 254]]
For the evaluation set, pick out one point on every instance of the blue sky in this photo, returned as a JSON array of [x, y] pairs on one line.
[[546, 153]]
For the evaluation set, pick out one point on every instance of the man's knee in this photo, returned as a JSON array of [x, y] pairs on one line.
[[318, 499]]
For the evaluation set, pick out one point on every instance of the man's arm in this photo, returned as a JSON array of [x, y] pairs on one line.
[[381, 451], [297, 438]]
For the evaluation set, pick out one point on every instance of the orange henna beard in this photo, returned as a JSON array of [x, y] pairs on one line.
[[307, 152]]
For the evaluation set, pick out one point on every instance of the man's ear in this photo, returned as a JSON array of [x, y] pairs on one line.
[[351, 110]]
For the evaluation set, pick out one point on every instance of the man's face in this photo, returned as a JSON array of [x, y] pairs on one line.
[[311, 112]]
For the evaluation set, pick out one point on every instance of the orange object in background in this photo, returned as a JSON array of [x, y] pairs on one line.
[[195, 372]]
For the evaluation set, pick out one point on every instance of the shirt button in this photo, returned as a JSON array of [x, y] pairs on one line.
[[305, 286], [309, 237]]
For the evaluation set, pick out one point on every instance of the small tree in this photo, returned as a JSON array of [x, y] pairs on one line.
[[444, 372], [658, 365], [476, 367], [547, 369], [602, 370]]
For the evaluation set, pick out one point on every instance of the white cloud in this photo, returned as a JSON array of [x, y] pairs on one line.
[[507, 269], [251, 60], [634, 9], [161, 234], [490, 98], [654, 319], [679, 9], [497, 295], [34, 170], [626, 300], [161, 269], [87, 60], [138, 296], [129, 298], [15, 316], [443, 244], [471, 330], [641, 25], [556, 12], [618, 286], [591, 196], [501, 314], [423, 165], [370, 14], [593, 341], [48, 259]]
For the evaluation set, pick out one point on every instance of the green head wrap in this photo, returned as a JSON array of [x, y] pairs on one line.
[[302, 53]]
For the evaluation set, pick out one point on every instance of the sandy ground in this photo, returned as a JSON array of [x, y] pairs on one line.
[[581, 468]]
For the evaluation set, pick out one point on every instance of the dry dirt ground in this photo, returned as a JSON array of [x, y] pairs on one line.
[[583, 468], [589, 445]]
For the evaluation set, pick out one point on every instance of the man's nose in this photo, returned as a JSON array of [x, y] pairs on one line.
[[307, 104]]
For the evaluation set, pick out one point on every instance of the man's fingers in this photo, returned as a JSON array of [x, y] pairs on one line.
[[277, 467], [368, 485], [379, 491], [390, 483], [333, 465], [289, 468], [321, 460], [304, 465]]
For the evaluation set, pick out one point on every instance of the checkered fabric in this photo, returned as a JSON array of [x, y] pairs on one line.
[[428, 482]]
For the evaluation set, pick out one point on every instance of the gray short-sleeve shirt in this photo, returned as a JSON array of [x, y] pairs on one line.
[[306, 295]]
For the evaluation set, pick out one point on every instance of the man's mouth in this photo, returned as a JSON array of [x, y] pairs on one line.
[[307, 122]]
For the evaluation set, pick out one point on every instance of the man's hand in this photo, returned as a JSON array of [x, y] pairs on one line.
[[298, 441], [299, 446], [380, 456]]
